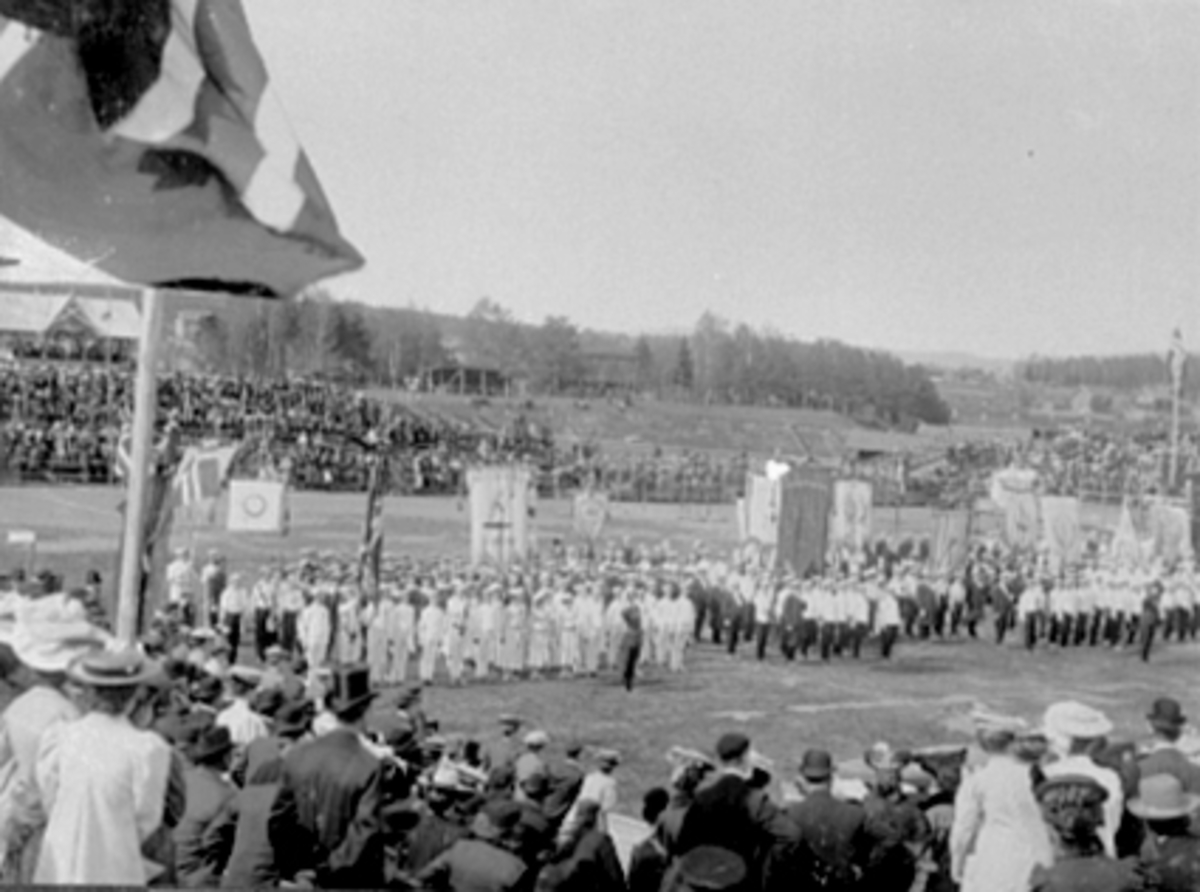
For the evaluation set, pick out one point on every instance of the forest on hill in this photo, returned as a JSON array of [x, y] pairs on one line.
[[718, 361], [1132, 372]]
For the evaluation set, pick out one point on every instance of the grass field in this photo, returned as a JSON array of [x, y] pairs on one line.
[[920, 697]]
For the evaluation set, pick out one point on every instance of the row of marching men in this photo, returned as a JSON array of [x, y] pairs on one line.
[[462, 626]]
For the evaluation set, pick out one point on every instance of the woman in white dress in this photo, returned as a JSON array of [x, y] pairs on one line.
[[103, 780], [998, 836]]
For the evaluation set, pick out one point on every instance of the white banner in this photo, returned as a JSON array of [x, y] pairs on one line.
[[1062, 533], [850, 526], [500, 502], [764, 499], [257, 506], [591, 513], [1014, 490]]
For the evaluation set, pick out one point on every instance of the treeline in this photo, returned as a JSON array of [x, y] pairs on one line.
[[1118, 372], [718, 362]]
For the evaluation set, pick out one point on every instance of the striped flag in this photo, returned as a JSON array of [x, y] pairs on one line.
[[1177, 360], [372, 548], [202, 472], [145, 138]]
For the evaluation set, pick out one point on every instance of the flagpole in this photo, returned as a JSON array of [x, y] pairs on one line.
[[145, 408], [1174, 475]]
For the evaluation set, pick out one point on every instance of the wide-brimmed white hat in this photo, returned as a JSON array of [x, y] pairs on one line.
[[1071, 719], [52, 632], [1162, 797]]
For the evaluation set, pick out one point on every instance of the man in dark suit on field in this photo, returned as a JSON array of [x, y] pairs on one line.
[[327, 822], [826, 842]]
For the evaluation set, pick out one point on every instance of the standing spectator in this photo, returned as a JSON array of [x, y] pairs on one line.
[[729, 812], [1171, 851], [326, 823], [1162, 755], [1072, 806], [103, 781], [822, 841], [204, 838], [998, 837]]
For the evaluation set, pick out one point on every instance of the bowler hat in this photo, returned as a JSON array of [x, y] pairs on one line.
[[294, 719], [732, 745], [816, 765], [350, 689], [1166, 711], [212, 743]]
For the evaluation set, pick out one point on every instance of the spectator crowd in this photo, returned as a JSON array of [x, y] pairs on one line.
[[186, 761]]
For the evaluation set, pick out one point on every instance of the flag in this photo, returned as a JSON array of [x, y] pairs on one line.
[[201, 474], [1177, 360], [372, 549], [123, 453], [144, 138], [256, 506]]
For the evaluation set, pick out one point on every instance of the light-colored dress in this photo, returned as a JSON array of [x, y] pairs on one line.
[[104, 785], [998, 835]]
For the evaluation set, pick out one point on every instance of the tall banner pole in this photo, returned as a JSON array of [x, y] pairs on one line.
[[1174, 472], [145, 408]]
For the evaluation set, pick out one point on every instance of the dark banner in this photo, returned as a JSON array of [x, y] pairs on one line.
[[804, 521]]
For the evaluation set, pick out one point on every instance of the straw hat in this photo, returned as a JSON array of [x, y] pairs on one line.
[[114, 669], [1071, 719], [1162, 797]]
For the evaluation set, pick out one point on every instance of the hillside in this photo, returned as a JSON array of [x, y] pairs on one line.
[[645, 425]]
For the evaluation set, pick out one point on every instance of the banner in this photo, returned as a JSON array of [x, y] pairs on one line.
[[1014, 492], [852, 511], [951, 547], [1169, 532], [1061, 531], [743, 519], [1126, 549], [804, 521], [500, 504], [591, 513], [762, 508], [256, 506], [202, 472]]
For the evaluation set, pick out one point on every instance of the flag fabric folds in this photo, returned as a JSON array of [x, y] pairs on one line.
[[763, 506], [202, 472], [371, 557], [143, 137], [257, 506]]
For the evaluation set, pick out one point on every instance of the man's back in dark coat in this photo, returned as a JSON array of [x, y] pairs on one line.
[[327, 818], [827, 845]]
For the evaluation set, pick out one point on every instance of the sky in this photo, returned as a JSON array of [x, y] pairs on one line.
[[999, 178]]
